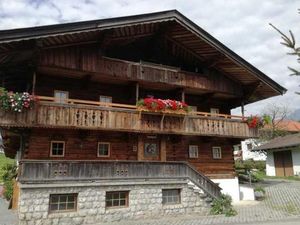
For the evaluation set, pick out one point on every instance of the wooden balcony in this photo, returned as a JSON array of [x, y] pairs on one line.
[[79, 114], [31, 171]]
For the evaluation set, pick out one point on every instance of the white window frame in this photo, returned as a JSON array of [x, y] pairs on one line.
[[59, 100], [51, 148], [195, 154], [217, 152], [106, 143]]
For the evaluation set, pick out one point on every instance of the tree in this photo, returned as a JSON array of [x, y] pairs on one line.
[[290, 42]]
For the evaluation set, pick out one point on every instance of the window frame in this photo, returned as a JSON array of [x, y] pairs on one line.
[[60, 91], [197, 152], [220, 152], [106, 143], [171, 203], [51, 148], [75, 195], [117, 199], [105, 96]]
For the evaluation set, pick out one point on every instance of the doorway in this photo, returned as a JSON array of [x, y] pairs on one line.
[[283, 163]]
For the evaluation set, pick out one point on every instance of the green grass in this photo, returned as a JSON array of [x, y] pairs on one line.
[[3, 161]]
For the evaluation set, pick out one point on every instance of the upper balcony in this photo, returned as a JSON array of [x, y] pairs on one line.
[[95, 115]]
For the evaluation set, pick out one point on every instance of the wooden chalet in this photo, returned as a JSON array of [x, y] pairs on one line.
[[85, 132]]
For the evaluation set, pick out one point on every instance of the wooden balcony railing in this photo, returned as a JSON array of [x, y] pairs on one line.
[[32, 171], [80, 114]]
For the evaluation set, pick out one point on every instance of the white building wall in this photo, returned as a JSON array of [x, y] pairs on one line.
[[296, 161], [248, 154], [270, 166], [230, 187]]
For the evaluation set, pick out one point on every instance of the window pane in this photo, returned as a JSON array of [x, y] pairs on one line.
[[62, 206], [171, 196], [63, 202], [108, 203], [70, 206], [116, 202], [53, 207], [122, 202]]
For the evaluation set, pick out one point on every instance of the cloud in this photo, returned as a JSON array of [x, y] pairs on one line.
[[240, 25]]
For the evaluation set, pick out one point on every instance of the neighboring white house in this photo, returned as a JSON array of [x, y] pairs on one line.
[[244, 151], [283, 155]]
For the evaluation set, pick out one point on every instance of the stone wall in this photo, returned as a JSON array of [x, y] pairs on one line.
[[145, 201]]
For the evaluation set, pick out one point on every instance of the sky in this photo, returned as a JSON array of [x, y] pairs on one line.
[[242, 25]]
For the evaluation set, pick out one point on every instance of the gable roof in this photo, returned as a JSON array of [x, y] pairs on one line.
[[193, 39], [292, 140]]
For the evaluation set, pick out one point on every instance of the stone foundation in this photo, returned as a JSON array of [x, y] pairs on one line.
[[145, 201]]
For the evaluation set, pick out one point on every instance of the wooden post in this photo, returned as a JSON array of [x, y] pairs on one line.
[[242, 110], [182, 96], [137, 92], [33, 82], [163, 149], [140, 150]]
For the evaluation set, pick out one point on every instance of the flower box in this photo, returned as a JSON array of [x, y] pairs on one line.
[[162, 105]]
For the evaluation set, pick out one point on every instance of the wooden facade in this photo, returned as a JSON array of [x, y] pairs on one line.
[[160, 55]]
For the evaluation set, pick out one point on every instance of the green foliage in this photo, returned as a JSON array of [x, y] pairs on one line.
[[259, 189], [8, 173], [223, 205], [254, 169], [4, 161]]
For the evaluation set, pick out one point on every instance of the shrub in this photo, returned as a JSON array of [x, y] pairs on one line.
[[223, 205], [260, 189], [9, 172]]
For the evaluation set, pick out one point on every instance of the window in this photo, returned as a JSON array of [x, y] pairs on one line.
[[214, 111], [193, 151], [170, 196], [63, 202], [57, 148], [151, 149], [61, 96], [103, 149], [117, 199], [107, 99], [217, 152]]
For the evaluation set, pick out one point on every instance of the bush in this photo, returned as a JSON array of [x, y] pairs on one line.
[[223, 205], [9, 172]]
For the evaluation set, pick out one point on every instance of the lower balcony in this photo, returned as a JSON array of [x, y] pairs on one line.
[[80, 114], [40, 172]]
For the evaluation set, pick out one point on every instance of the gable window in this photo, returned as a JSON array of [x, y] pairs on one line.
[[63, 202], [57, 149], [61, 96], [193, 151], [214, 111], [217, 152], [106, 99], [117, 199], [170, 196], [103, 149]]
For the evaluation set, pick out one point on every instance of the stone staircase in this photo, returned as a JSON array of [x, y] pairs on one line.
[[206, 197]]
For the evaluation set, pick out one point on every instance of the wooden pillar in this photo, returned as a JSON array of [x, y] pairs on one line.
[[140, 148], [33, 82], [163, 149], [182, 96], [137, 92], [242, 110]]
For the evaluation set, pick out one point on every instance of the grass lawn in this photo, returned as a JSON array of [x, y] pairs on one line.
[[3, 161]]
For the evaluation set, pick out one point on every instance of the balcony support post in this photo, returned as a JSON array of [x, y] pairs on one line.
[[243, 110], [137, 92], [33, 82]]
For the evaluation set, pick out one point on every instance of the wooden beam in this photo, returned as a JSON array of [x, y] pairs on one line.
[[33, 82], [137, 91], [140, 152], [163, 149]]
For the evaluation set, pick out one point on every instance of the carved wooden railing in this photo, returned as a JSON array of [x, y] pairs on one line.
[[80, 114], [31, 171]]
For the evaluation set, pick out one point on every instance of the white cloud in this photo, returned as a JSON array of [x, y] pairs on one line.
[[241, 25]]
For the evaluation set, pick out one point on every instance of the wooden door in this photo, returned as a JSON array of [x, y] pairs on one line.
[[283, 163]]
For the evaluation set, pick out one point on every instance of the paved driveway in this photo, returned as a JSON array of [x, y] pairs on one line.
[[7, 217]]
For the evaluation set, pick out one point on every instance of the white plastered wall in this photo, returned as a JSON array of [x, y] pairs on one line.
[[230, 187], [270, 166], [296, 161]]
